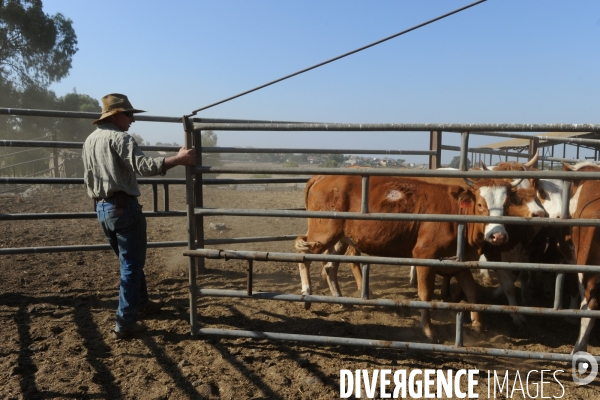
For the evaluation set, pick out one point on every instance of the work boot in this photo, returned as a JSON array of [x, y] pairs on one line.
[[129, 332], [151, 307]]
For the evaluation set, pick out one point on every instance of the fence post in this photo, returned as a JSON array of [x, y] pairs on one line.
[[460, 243], [55, 156], [166, 196], [199, 201], [365, 209], [154, 197], [435, 144], [189, 191]]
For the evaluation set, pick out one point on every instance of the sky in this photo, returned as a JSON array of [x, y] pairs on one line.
[[502, 61]]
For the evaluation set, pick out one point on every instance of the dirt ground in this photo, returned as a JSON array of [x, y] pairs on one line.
[[57, 310]]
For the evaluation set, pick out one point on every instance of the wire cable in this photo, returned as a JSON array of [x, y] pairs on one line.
[[338, 57]]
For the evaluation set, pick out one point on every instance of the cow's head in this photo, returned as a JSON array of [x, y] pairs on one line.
[[517, 166], [525, 203], [549, 192], [492, 198]]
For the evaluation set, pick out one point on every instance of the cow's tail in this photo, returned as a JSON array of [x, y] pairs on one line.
[[301, 245]]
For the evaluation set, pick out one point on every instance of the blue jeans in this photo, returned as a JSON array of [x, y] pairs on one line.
[[125, 229]]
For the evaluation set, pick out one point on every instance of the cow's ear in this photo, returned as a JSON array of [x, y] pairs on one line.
[[515, 198], [465, 197]]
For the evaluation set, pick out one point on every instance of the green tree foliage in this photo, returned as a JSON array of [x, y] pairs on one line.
[[138, 139], [455, 163], [209, 139], [75, 129], [329, 164], [44, 128], [35, 48], [333, 160], [338, 158]]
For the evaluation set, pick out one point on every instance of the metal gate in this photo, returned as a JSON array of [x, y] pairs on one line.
[[198, 253]]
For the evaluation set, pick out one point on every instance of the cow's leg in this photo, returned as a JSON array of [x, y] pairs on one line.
[[305, 279], [330, 270], [445, 289], [318, 245], [357, 272], [426, 280], [413, 276], [587, 285], [508, 286], [468, 285]]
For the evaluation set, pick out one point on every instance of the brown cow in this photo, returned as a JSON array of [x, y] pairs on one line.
[[585, 204], [428, 240]]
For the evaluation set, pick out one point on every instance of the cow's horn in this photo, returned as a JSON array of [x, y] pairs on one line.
[[469, 182], [483, 166], [516, 182], [532, 162]]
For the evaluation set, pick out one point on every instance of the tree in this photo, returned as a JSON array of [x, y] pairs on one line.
[[35, 48], [330, 163], [138, 139], [72, 129], [209, 139], [455, 163]]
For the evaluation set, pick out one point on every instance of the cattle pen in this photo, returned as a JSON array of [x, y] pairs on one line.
[[196, 212]]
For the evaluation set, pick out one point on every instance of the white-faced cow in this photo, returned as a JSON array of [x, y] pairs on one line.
[[428, 240], [523, 203], [539, 243]]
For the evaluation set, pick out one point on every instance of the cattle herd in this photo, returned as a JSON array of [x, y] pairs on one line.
[[532, 198]]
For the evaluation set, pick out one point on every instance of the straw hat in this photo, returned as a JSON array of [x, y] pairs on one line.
[[115, 103]]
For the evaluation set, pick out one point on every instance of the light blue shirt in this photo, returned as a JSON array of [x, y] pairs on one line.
[[111, 160]]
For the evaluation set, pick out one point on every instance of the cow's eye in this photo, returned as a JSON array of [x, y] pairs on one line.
[[542, 194], [480, 206]]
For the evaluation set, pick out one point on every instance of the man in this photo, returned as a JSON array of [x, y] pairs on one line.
[[111, 160]]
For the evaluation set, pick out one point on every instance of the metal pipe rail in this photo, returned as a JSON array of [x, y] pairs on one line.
[[74, 145], [297, 258], [412, 304], [81, 215], [567, 160], [79, 181], [395, 217], [151, 181], [219, 150], [86, 247], [451, 127], [243, 150], [387, 344], [408, 173], [98, 247]]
